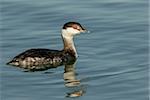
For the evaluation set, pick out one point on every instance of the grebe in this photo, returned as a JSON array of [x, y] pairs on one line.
[[32, 58]]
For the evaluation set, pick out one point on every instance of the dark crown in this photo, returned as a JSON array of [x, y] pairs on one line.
[[70, 24]]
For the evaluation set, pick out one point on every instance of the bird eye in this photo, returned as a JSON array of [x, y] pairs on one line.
[[76, 27]]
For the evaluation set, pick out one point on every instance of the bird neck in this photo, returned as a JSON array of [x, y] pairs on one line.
[[69, 45]]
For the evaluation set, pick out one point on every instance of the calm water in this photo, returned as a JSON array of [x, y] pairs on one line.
[[113, 58]]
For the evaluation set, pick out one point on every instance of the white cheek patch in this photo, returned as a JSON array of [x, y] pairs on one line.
[[72, 30], [66, 34]]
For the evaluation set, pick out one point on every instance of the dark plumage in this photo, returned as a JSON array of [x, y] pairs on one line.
[[72, 24], [37, 59]]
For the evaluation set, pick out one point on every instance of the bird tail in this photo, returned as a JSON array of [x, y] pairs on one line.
[[12, 62]]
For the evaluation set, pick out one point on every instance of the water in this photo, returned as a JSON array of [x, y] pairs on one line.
[[113, 58]]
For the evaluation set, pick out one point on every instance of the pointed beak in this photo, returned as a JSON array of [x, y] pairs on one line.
[[84, 30]]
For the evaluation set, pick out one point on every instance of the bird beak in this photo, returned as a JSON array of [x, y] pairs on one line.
[[85, 31]]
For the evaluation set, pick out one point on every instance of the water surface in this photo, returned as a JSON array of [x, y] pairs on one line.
[[113, 58]]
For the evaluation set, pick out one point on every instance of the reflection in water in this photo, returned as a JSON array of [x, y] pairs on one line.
[[70, 76], [71, 81]]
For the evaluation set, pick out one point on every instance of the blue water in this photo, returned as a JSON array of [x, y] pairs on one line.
[[113, 57]]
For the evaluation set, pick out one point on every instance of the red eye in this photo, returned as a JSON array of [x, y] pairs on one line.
[[76, 27]]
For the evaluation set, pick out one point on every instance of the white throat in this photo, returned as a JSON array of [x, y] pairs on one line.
[[68, 41]]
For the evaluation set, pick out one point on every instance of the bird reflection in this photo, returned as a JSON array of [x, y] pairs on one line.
[[72, 82], [70, 76]]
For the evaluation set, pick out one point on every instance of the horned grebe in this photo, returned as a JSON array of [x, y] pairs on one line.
[[32, 58]]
